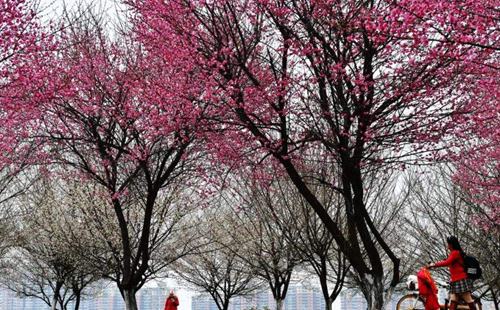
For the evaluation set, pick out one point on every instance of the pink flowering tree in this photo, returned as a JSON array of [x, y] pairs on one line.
[[361, 85], [127, 121], [474, 148], [22, 40], [477, 160]]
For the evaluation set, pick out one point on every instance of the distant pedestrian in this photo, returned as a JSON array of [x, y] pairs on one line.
[[172, 301]]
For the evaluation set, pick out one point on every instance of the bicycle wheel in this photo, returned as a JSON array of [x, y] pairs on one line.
[[410, 302]]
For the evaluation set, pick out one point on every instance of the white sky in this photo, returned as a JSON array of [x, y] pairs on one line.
[[53, 8]]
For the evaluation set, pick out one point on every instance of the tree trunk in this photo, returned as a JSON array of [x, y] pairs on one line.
[[324, 287], [494, 298], [56, 297], [53, 305], [351, 251], [77, 301], [329, 304], [225, 305], [129, 298], [279, 304], [373, 291]]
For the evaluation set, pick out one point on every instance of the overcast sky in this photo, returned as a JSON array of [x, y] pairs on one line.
[[51, 9]]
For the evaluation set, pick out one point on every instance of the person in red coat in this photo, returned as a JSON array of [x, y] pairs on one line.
[[460, 285], [172, 302]]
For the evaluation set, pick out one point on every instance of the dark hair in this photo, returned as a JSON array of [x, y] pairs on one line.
[[453, 241]]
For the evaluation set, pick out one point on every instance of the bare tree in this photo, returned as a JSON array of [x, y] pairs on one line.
[[265, 243], [8, 231], [216, 268], [280, 202], [172, 231], [321, 254], [44, 262], [15, 179]]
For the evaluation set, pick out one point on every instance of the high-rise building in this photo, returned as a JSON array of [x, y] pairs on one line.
[[148, 298], [203, 302], [153, 297], [9, 301], [350, 300], [299, 297], [108, 298]]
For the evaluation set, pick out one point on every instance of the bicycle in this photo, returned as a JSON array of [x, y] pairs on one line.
[[413, 301]]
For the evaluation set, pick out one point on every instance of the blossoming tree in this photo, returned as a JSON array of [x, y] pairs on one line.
[[21, 41], [362, 86], [125, 120], [366, 85]]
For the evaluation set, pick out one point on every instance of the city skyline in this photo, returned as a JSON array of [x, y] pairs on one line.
[[299, 296], [153, 297]]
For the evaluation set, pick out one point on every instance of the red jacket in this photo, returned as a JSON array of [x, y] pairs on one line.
[[427, 289], [456, 265], [171, 303]]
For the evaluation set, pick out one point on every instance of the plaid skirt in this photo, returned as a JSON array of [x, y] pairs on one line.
[[461, 286]]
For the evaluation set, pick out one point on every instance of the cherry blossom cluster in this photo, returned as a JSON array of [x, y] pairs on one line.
[[363, 84]]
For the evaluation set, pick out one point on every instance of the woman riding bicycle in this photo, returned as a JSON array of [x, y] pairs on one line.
[[460, 285]]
